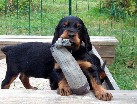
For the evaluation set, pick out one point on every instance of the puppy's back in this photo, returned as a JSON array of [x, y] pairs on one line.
[[28, 51]]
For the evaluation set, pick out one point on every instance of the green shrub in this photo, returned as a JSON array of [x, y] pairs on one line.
[[23, 6], [1, 5], [120, 8]]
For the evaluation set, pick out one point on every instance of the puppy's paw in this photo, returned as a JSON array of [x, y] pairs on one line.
[[103, 95], [64, 91], [33, 88]]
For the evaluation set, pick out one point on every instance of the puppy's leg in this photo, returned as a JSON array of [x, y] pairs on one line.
[[9, 78], [53, 80], [63, 87], [25, 81], [92, 74], [11, 75], [100, 92]]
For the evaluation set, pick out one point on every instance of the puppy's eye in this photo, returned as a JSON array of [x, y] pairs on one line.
[[65, 26], [79, 27]]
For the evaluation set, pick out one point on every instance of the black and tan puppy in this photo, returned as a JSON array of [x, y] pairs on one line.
[[73, 28], [32, 59]]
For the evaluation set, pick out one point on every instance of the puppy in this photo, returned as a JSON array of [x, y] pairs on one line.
[[73, 28], [33, 59]]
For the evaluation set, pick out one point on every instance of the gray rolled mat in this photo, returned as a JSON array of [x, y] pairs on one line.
[[74, 75]]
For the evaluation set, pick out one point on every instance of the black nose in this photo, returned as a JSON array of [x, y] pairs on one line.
[[71, 35]]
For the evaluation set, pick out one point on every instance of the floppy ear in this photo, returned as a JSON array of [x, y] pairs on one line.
[[56, 34], [86, 39]]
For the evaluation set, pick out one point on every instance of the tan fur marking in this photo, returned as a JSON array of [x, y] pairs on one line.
[[65, 35], [56, 66], [63, 88], [96, 86], [8, 85], [63, 83], [102, 75], [66, 23], [84, 64], [78, 25], [100, 92], [25, 81], [77, 40]]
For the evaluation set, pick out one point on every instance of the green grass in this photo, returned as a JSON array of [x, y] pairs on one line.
[[125, 77], [98, 24]]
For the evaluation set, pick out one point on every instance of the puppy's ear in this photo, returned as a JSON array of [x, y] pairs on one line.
[[56, 34], [86, 39]]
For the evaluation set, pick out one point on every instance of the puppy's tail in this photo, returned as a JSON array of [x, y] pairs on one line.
[[5, 49]]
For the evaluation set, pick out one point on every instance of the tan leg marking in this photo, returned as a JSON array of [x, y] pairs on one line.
[[25, 81], [8, 85], [63, 88], [100, 92]]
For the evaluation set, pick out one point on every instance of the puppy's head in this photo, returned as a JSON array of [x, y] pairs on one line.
[[72, 28]]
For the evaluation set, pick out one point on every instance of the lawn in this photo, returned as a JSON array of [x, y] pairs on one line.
[[42, 20]]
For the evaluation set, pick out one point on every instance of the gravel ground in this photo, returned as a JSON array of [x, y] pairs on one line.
[[41, 84]]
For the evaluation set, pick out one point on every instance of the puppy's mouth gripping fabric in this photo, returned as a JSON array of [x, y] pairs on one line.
[[74, 75], [62, 42]]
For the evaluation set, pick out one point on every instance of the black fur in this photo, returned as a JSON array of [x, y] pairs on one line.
[[73, 28], [82, 53], [34, 59], [82, 30]]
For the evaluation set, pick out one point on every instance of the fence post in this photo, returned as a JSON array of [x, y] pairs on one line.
[[41, 14], [29, 15], [5, 7], [70, 7], [17, 13]]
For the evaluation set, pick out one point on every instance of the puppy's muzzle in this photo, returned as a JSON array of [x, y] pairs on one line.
[[71, 34]]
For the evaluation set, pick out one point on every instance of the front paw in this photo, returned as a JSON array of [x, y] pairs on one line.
[[33, 88], [64, 91], [103, 95]]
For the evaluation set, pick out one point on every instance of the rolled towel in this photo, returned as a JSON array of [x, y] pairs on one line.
[[74, 75]]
